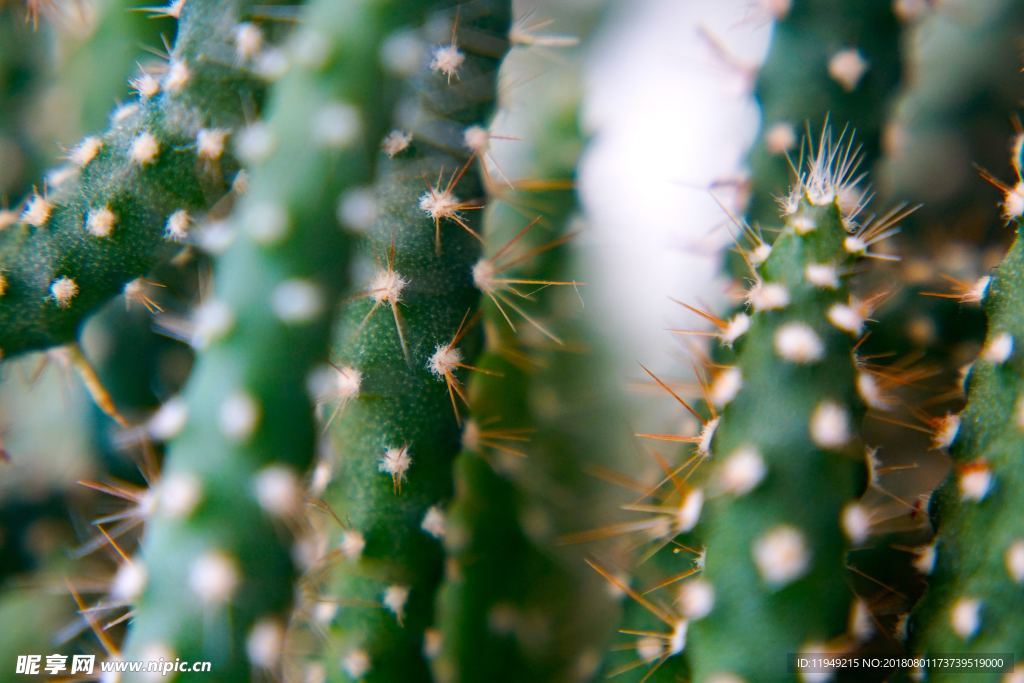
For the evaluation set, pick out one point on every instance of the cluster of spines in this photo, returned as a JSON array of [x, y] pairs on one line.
[[975, 566], [216, 575], [127, 197], [406, 344], [824, 57], [762, 512]]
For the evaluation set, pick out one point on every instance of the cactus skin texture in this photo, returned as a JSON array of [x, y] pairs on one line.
[[403, 409], [976, 565], [218, 551], [76, 245], [826, 57], [515, 605], [776, 558]]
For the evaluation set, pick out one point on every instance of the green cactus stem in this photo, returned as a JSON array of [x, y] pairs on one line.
[[129, 195], [783, 417], [218, 550], [20, 72], [976, 564], [792, 424], [961, 76], [93, 45], [410, 340]]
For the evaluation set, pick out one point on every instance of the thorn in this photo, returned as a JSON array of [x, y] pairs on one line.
[[94, 385], [107, 644]]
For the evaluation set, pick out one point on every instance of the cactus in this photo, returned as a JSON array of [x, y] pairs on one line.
[[93, 47], [406, 344], [848, 63], [976, 565], [232, 481], [431, 524], [770, 556], [127, 196], [516, 605], [786, 418], [488, 607]]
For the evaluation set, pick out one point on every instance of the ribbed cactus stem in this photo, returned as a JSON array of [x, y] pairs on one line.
[[782, 418], [976, 564], [128, 196], [411, 339], [518, 604], [218, 550], [790, 425]]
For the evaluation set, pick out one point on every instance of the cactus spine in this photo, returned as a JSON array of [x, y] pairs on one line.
[[126, 197], [409, 340], [976, 564], [231, 490]]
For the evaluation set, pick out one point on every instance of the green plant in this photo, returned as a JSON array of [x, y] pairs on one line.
[[948, 115], [401, 421], [247, 399], [127, 197], [404, 348], [949, 106], [792, 424], [783, 416], [20, 71]]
